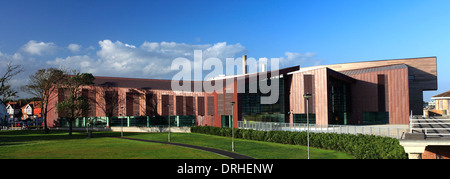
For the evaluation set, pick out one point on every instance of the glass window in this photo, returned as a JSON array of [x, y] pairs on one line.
[[339, 105], [226, 121], [253, 110], [371, 118], [301, 118]]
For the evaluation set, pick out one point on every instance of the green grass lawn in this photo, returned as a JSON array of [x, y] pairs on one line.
[[58, 145], [256, 149]]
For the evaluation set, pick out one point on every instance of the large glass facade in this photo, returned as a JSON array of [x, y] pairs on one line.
[[131, 121], [339, 102], [302, 118], [253, 110], [371, 118]]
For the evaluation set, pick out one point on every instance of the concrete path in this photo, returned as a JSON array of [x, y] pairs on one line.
[[217, 151]]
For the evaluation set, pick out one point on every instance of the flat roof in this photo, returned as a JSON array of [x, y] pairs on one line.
[[159, 84], [374, 69]]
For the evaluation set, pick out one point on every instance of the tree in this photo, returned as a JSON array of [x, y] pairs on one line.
[[75, 105], [6, 92], [110, 93], [42, 85]]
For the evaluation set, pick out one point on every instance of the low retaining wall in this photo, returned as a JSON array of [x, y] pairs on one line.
[[152, 129], [133, 129]]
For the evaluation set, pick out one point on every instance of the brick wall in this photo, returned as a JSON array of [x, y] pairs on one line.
[[436, 152]]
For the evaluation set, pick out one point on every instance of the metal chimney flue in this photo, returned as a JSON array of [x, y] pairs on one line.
[[263, 67], [244, 64]]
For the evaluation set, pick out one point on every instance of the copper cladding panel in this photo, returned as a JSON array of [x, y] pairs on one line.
[[319, 103], [365, 95]]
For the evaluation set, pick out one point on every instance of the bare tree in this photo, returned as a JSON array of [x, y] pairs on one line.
[[75, 105], [109, 99], [44, 85], [6, 92]]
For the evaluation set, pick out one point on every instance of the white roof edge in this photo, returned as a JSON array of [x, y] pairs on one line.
[[306, 69], [440, 97]]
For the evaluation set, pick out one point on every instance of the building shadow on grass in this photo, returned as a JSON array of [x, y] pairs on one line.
[[17, 137]]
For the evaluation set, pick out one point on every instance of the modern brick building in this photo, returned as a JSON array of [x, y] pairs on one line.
[[372, 92]]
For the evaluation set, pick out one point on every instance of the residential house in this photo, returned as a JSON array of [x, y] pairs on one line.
[[31, 110], [13, 110], [441, 102]]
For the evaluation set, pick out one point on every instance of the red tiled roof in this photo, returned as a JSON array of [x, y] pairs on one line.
[[14, 105], [35, 104], [446, 94]]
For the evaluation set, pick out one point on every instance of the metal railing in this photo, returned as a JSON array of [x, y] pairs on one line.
[[394, 131], [429, 126]]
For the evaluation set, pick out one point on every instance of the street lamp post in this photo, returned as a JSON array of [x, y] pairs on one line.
[[232, 126], [168, 138], [307, 96]]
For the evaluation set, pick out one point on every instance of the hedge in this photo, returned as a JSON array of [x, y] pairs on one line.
[[361, 146]]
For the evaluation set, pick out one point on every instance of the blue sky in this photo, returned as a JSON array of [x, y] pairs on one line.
[[132, 38]]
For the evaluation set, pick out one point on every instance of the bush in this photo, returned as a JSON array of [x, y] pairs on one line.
[[360, 146]]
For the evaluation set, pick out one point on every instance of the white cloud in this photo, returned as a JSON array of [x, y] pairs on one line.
[[16, 58], [149, 60], [306, 59], [154, 59], [86, 63], [222, 50], [39, 48], [29, 65], [74, 47]]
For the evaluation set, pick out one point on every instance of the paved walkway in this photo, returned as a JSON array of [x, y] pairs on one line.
[[217, 151]]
